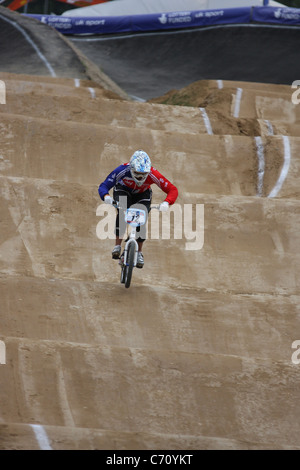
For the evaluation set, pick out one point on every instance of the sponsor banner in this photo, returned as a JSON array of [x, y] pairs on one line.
[[284, 16], [173, 20], [86, 25], [187, 19], [150, 22]]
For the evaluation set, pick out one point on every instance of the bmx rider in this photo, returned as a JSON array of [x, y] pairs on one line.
[[133, 180]]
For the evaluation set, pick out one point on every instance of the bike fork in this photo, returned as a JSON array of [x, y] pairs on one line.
[[136, 247]]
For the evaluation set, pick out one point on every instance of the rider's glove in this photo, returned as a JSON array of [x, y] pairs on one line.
[[164, 206], [108, 199]]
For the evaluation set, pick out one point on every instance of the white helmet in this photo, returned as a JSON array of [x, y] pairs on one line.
[[140, 166]]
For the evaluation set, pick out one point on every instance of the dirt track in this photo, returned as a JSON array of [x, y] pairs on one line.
[[197, 353]]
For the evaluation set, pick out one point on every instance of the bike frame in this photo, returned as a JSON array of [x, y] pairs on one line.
[[130, 240], [138, 217]]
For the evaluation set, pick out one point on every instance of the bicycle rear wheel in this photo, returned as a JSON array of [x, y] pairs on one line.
[[130, 264]]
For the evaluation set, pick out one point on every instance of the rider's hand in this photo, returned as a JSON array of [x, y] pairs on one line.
[[108, 199], [164, 206]]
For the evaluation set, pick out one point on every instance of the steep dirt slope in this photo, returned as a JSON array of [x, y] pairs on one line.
[[197, 353], [29, 46], [150, 64]]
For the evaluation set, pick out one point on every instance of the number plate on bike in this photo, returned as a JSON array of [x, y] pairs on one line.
[[135, 217]]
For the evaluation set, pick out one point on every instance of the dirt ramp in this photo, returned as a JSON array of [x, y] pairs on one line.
[[40, 50], [197, 354], [151, 64], [240, 108]]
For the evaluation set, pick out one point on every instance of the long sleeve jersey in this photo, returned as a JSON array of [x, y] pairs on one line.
[[122, 175]]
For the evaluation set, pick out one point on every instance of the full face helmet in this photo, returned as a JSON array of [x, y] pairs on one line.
[[140, 166]]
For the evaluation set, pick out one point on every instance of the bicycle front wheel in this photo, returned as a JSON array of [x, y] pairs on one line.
[[123, 272], [130, 264]]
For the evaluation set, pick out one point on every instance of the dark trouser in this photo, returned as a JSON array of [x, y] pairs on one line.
[[126, 199]]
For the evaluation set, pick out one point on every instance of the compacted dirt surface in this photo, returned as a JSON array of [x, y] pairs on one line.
[[201, 351]]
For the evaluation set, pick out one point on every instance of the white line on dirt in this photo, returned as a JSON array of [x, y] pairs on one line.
[[220, 84], [77, 82], [270, 127], [285, 167], [41, 436], [136, 98], [261, 165], [206, 121], [32, 43], [92, 92], [237, 103]]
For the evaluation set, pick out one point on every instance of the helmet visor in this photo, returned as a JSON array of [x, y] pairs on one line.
[[139, 176]]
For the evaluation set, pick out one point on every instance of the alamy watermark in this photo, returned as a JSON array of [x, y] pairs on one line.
[[2, 92], [179, 222], [2, 353], [295, 95], [296, 354]]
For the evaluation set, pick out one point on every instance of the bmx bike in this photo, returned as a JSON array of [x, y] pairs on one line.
[[134, 217]]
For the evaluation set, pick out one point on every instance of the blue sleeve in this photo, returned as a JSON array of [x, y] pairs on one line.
[[110, 181]]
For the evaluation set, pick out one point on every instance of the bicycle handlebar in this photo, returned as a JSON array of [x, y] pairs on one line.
[[116, 204]]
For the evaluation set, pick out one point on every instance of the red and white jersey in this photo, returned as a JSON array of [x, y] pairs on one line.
[[122, 175]]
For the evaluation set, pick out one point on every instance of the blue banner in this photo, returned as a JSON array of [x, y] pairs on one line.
[[189, 19], [86, 25], [277, 15], [172, 20], [150, 22]]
